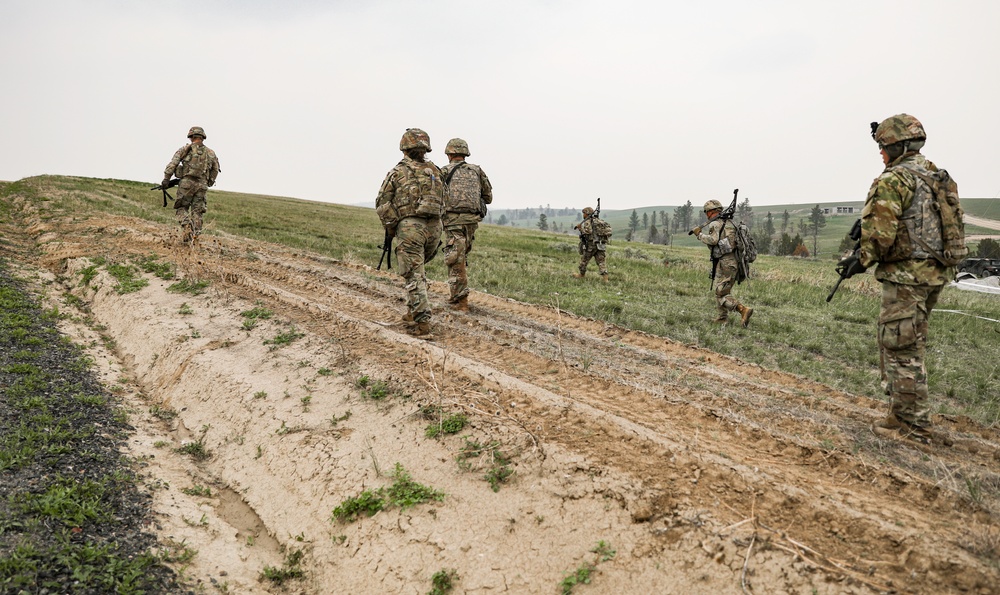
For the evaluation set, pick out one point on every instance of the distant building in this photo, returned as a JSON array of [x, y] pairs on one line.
[[841, 210]]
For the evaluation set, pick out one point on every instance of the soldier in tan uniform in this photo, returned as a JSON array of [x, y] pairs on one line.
[[719, 234], [912, 240], [410, 204], [469, 191], [197, 166]]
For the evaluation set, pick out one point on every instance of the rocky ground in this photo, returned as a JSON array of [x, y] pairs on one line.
[[657, 467]]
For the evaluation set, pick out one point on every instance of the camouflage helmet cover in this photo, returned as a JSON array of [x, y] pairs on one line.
[[587, 211], [196, 131], [457, 146], [899, 128], [415, 138], [712, 205]]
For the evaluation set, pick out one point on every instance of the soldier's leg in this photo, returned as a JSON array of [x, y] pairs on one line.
[[584, 259], [902, 336], [601, 257], [725, 278], [183, 216], [410, 255], [198, 208], [470, 236], [455, 251]]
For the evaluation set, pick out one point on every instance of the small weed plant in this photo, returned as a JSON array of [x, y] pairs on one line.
[[582, 575], [473, 455], [284, 338], [253, 316], [402, 493], [451, 424], [291, 569], [443, 581]]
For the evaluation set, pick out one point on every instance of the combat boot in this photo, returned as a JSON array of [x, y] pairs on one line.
[[422, 330], [604, 277], [745, 314], [462, 304], [579, 275], [408, 318], [720, 320]]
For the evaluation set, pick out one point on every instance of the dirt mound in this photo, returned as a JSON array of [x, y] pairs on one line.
[[640, 464]]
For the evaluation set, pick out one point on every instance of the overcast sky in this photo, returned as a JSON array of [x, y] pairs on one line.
[[561, 101]]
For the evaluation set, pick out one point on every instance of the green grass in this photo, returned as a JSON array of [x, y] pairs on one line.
[[189, 286], [48, 520], [794, 329]]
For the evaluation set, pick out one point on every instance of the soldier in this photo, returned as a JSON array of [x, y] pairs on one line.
[[902, 232], [595, 233], [197, 166], [410, 204], [469, 191], [720, 236]]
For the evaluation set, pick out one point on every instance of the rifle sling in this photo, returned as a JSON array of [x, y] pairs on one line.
[[447, 178]]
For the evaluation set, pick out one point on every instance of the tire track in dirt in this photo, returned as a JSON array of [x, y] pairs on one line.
[[723, 449]]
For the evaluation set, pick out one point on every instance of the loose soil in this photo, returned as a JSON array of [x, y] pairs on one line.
[[702, 472]]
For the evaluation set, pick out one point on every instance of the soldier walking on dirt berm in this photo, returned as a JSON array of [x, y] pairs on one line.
[[911, 227], [469, 191], [721, 239], [410, 204], [197, 166]]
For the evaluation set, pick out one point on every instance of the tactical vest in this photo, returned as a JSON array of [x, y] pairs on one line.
[[932, 226], [419, 193], [195, 163], [464, 188], [727, 240]]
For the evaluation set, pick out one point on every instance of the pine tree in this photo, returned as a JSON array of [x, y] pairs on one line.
[[816, 222], [633, 221]]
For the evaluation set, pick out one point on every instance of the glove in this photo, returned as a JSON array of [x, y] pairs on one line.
[[211, 183], [165, 182], [850, 266], [696, 230]]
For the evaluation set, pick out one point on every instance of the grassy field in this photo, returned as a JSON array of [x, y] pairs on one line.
[[660, 290]]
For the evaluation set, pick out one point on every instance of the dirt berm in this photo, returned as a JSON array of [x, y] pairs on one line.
[[698, 472]]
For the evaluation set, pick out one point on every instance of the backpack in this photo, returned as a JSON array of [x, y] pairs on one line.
[[746, 251], [947, 206], [602, 228]]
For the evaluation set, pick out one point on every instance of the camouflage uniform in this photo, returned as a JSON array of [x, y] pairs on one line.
[[409, 204], [592, 245], [469, 190], [720, 236], [197, 166], [911, 284]]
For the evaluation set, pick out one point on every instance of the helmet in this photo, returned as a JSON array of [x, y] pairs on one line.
[[415, 138], [587, 211], [457, 146], [196, 131], [899, 128], [712, 205]]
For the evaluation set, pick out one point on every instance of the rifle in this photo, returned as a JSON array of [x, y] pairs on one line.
[[854, 234], [172, 183], [593, 227], [386, 251]]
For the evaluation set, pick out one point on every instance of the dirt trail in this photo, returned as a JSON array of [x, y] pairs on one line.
[[704, 473]]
